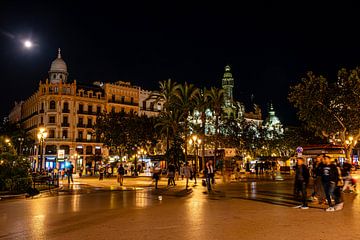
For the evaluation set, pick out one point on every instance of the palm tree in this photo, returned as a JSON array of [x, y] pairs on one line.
[[166, 93], [168, 125], [215, 97], [185, 95], [201, 104]]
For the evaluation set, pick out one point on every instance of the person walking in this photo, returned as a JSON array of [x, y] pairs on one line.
[[121, 172], [346, 174], [101, 173], [156, 175], [318, 191], [171, 175], [301, 181], [81, 171], [209, 174], [70, 172], [187, 173], [193, 174], [330, 177]]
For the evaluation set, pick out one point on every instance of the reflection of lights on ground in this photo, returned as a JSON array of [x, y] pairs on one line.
[[141, 199], [38, 219], [76, 203]]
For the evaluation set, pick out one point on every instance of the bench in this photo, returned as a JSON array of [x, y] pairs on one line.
[[42, 180]]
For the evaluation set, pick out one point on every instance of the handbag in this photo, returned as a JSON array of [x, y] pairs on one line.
[[203, 182]]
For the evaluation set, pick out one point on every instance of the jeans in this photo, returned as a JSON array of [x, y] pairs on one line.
[[208, 182], [329, 188], [70, 177], [301, 187]]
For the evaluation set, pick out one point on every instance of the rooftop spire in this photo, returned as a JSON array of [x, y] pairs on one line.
[[59, 53]]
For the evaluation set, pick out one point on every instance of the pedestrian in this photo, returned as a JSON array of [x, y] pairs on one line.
[[182, 171], [101, 173], [156, 175], [193, 173], [62, 174], [301, 181], [187, 173], [121, 172], [70, 172], [318, 190], [81, 171], [209, 174], [346, 173], [171, 175], [237, 172], [330, 177]]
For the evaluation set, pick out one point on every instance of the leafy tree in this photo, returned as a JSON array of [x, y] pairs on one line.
[[14, 169], [330, 109]]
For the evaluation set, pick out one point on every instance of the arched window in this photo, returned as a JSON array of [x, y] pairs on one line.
[[66, 106], [52, 104]]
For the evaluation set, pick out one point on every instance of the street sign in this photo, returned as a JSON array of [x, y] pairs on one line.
[[61, 154], [299, 149]]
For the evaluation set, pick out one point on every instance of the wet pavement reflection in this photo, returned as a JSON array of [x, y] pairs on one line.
[[79, 209]]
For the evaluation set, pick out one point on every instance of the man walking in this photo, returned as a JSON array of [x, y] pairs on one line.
[[209, 174], [70, 172], [301, 181], [121, 172], [330, 177], [318, 192], [187, 173]]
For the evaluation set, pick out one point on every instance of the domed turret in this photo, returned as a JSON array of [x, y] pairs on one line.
[[58, 70]]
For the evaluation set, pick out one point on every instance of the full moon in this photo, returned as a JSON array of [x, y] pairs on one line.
[[28, 44]]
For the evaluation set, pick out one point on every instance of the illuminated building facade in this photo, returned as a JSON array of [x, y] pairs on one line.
[[67, 111]]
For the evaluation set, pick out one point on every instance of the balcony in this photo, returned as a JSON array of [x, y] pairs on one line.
[[66, 110], [89, 125], [51, 110], [86, 140], [65, 125], [92, 113], [81, 112], [123, 102], [80, 125]]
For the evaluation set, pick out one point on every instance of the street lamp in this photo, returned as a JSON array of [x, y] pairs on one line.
[[196, 141], [41, 137], [20, 139]]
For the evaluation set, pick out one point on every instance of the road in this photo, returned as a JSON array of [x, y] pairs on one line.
[[250, 209]]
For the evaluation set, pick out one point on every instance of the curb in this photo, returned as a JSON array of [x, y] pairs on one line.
[[17, 196]]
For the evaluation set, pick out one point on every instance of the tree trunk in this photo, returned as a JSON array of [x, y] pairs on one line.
[[203, 119], [348, 152], [216, 138], [186, 141]]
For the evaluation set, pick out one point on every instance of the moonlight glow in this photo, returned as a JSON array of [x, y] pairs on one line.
[[28, 44]]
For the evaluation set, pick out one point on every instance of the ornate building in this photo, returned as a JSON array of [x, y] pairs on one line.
[[236, 109], [273, 124], [67, 111], [149, 106]]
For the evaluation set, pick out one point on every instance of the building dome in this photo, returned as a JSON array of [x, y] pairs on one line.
[[58, 65], [58, 70]]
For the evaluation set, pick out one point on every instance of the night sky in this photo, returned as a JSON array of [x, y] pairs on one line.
[[269, 45]]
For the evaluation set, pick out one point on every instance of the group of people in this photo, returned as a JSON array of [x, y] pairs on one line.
[[328, 178]]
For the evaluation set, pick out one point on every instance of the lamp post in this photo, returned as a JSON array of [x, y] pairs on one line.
[[41, 137], [196, 141], [20, 139]]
